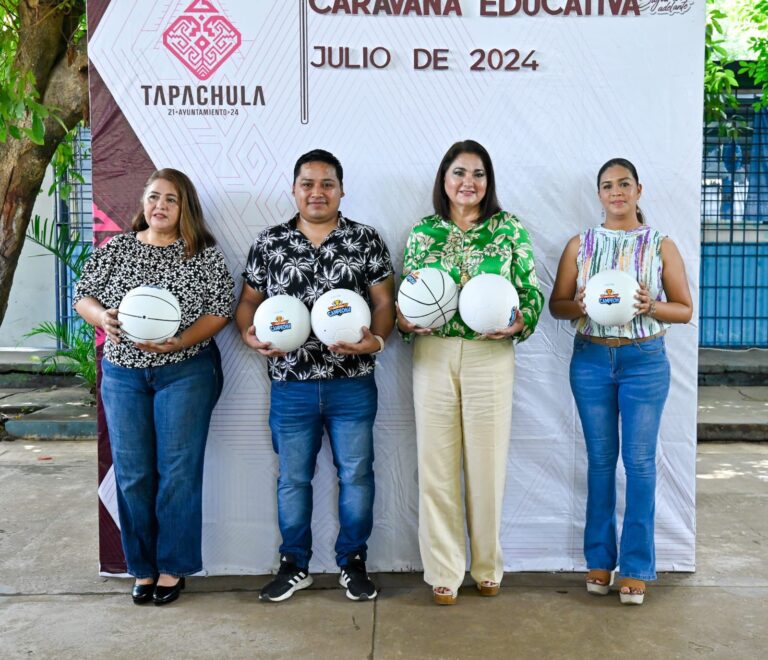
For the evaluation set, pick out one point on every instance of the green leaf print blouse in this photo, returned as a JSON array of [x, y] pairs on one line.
[[499, 245]]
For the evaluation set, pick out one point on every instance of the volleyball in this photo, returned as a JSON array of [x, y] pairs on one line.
[[488, 302], [339, 315], [428, 297], [149, 313], [610, 297], [283, 321]]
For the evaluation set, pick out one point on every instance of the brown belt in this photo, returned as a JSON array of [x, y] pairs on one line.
[[615, 342]]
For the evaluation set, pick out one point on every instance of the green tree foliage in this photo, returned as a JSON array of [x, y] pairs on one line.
[[727, 23], [719, 82], [756, 13], [43, 96]]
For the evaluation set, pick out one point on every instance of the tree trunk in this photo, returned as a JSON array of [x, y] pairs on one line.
[[61, 74]]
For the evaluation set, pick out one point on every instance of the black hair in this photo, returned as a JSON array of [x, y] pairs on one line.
[[319, 156], [627, 165], [489, 204]]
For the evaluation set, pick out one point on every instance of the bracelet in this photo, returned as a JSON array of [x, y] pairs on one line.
[[652, 309], [379, 339]]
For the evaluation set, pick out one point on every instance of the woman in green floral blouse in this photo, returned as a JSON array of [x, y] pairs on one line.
[[462, 380]]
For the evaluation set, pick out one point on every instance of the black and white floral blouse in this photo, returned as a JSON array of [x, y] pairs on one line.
[[283, 261], [202, 285]]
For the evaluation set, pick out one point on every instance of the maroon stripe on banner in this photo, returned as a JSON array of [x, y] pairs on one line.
[[121, 166], [94, 11], [111, 559]]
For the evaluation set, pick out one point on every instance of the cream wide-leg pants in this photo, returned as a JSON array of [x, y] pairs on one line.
[[462, 394]]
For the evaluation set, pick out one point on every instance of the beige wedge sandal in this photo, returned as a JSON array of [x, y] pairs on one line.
[[488, 588], [444, 596], [599, 581], [631, 591]]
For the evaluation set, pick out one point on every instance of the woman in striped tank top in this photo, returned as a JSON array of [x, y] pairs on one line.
[[620, 376]]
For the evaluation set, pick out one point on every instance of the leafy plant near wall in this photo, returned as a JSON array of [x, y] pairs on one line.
[[720, 81], [78, 352], [64, 165], [757, 13], [77, 340]]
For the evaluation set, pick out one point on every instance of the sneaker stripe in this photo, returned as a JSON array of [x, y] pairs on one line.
[[288, 580]]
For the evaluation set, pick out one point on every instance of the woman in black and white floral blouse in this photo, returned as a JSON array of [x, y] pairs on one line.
[[158, 398]]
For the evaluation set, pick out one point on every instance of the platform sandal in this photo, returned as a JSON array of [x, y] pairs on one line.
[[599, 581], [488, 588], [444, 595], [631, 591]]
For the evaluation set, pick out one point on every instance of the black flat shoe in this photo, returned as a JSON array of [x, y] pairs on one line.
[[165, 595], [142, 593]]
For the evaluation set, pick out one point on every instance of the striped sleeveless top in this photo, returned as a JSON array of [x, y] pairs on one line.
[[637, 252]]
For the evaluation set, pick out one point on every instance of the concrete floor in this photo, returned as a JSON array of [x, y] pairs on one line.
[[54, 605]]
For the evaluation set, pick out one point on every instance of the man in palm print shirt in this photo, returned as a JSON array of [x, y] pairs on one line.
[[317, 387]]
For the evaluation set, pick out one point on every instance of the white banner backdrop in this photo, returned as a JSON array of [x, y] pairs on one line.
[[233, 91]]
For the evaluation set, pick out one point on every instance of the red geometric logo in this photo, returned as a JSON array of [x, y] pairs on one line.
[[202, 38]]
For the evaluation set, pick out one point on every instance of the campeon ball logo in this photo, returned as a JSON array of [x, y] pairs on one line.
[[609, 297], [202, 39], [280, 324], [339, 307]]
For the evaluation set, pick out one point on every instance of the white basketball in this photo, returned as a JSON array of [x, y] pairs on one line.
[[149, 313], [488, 302], [283, 321], [610, 297], [428, 297], [339, 315]]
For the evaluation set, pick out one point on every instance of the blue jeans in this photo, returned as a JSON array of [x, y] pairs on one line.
[[158, 425], [620, 387], [299, 411]]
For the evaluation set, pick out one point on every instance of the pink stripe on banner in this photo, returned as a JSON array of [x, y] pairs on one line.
[[103, 224]]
